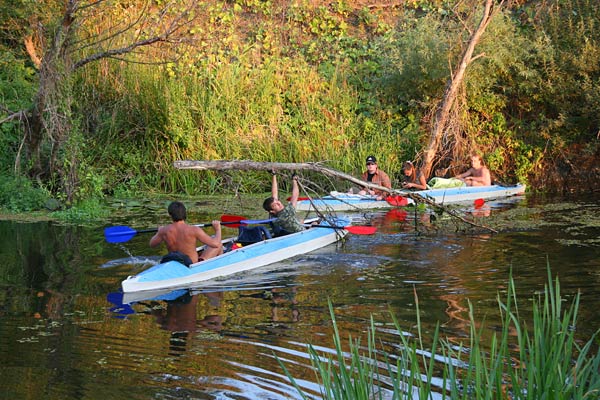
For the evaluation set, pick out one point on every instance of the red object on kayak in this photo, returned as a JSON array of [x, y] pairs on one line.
[[479, 203], [397, 200]]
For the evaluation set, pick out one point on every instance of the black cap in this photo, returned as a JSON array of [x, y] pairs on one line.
[[371, 159]]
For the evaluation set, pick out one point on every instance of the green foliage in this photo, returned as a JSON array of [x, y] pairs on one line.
[[313, 81], [84, 211], [558, 91], [18, 194], [420, 62], [17, 86], [17, 81]]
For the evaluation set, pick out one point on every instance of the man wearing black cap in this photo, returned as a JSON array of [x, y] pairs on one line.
[[376, 176]]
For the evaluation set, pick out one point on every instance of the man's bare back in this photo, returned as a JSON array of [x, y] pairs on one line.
[[181, 237]]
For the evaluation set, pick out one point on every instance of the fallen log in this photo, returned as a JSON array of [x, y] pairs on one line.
[[249, 165]]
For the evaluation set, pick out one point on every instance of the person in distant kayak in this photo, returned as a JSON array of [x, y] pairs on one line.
[[376, 176], [478, 174], [181, 239], [412, 178], [287, 221]]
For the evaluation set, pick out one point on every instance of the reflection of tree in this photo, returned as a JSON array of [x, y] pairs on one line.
[[457, 314], [47, 259]]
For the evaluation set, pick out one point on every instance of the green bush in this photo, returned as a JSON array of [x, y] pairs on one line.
[[19, 195]]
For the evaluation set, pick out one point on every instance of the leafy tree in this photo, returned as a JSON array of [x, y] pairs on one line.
[[61, 37]]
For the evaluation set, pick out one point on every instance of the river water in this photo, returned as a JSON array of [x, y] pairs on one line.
[[67, 334]]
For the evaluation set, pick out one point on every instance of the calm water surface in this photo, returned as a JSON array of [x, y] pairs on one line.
[[67, 335]]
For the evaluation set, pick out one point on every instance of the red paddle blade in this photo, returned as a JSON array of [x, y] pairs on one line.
[[361, 230], [397, 200], [232, 218], [299, 198], [479, 203]]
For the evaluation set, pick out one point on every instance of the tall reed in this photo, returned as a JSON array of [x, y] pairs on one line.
[[533, 357], [282, 111]]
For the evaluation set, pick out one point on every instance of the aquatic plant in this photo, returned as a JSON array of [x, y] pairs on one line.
[[544, 360]]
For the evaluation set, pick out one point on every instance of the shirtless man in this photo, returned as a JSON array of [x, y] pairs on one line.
[[477, 175], [182, 238]]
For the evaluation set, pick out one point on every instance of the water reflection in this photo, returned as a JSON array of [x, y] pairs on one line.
[[57, 322], [179, 318], [406, 219]]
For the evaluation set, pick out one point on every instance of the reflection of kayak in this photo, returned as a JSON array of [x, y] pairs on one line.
[[173, 275], [347, 202], [131, 261], [154, 295]]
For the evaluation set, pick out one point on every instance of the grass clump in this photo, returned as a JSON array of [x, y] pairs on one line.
[[529, 358]]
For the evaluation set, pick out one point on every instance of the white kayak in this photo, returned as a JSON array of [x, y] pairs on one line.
[[337, 201], [174, 275]]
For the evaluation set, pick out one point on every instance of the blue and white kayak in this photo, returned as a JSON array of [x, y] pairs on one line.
[[174, 275], [337, 201]]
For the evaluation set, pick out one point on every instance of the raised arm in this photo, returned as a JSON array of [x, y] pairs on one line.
[[295, 191], [274, 189]]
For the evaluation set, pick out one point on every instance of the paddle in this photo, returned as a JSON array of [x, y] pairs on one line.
[[120, 234], [299, 198], [354, 229]]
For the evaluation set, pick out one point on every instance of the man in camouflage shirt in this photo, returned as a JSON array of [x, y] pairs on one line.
[[286, 215]]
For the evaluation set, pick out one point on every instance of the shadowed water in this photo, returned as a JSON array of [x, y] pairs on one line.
[[66, 332]]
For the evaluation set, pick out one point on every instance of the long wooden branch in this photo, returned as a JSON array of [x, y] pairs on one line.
[[249, 165]]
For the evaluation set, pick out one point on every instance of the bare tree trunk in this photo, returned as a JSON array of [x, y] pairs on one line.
[[442, 114], [50, 116]]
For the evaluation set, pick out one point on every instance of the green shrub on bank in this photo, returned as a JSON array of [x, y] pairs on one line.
[[18, 194], [541, 360]]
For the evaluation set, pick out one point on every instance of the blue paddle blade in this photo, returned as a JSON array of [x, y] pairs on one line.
[[119, 234]]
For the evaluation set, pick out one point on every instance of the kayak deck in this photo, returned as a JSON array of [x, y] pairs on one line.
[[347, 202]]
